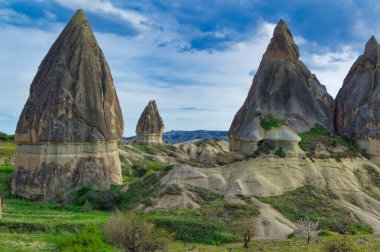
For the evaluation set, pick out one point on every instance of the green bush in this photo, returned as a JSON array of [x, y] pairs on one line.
[[5, 137], [87, 239], [292, 235], [280, 152], [324, 233], [268, 121], [344, 243]]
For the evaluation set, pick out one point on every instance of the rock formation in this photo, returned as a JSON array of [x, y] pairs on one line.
[[150, 125], [68, 130], [284, 87], [357, 112]]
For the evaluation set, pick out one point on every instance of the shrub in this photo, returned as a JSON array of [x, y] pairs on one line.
[[280, 152], [268, 121], [134, 232], [324, 233], [6, 137], [88, 239], [292, 235], [342, 243]]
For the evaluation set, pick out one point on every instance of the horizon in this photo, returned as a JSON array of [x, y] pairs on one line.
[[159, 51]]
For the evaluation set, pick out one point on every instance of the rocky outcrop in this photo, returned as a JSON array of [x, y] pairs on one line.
[[68, 130], [357, 113], [150, 125], [284, 87]]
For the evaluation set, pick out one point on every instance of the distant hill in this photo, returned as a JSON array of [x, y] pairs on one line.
[[180, 136]]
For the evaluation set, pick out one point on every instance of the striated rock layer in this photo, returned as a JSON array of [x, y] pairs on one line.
[[357, 113], [68, 130], [284, 87], [150, 125]]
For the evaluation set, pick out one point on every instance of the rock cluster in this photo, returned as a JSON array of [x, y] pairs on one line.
[[284, 87], [357, 112], [68, 130], [150, 126]]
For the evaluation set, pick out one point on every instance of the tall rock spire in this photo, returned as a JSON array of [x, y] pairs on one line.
[[282, 45], [357, 112], [69, 126], [285, 88], [150, 126]]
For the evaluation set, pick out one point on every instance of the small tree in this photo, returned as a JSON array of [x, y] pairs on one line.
[[246, 229], [306, 228], [309, 183], [1, 210], [60, 192], [135, 233]]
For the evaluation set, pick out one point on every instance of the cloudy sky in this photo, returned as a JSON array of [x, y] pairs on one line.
[[195, 58]]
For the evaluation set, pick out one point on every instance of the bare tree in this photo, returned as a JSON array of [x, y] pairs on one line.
[[135, 233], [309, 183], [306, 228], [1, 210], [60, 192], [245, 228]]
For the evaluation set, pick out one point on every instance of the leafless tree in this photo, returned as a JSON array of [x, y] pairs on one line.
[[1, 210], [60, 192], [134, 233], [309, 183], [306, 228], [245, 228]]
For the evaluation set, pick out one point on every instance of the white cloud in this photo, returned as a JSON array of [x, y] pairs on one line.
[[107, 8], [331, 67]]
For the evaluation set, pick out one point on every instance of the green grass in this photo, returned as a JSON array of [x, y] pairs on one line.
[[319, 135], [211, 224], [7, 151], [5, 179], [317, 206]]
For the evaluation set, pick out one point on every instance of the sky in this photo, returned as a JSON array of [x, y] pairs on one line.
[[195, 58]]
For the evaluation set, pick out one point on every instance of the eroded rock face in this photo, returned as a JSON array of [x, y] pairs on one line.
[[357, 112], [150, 126], [68, 130], [284, 87]]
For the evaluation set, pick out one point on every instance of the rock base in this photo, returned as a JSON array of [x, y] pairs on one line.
[[149, 139], [243, 147], [44, 169]]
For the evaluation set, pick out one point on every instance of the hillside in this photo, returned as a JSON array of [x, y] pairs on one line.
[[189, 187], [181, 136]]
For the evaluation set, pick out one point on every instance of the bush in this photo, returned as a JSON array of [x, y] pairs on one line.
[[292, 235], [6, 137], [268, 121], [324, 233], [342, 243], [88, 238], [133, 232], [280, 152]]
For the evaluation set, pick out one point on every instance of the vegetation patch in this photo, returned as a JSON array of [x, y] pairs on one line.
[[338, 147], [317, 206], [269, 121], [213, 223], [87, 239]]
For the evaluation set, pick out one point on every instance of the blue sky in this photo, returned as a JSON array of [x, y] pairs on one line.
[[196, 58]]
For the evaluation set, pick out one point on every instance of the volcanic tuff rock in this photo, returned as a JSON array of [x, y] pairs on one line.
[[284, 87], [150, 125], [357, 112], [68, 130]]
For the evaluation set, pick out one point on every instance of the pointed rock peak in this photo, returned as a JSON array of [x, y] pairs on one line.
[[79, 18], [372, 51], [150, 121], [282, 45]]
